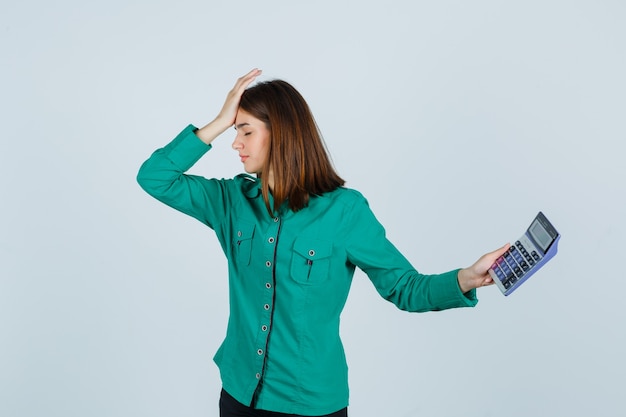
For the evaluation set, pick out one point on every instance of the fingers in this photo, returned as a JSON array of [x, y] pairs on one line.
[[498, 252], [502, 250], [477, 275], [251, 75], [483, 264], [244, 81]]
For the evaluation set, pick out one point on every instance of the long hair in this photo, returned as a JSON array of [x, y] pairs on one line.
[[297, 158]]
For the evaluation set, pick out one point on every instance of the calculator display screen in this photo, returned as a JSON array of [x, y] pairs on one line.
[[540, 235]]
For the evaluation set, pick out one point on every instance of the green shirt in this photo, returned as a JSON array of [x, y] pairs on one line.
[[289, 278]]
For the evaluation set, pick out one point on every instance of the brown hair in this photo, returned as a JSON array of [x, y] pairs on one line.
[[297, 157]]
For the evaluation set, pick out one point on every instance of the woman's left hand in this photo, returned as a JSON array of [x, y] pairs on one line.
[[476, 275]]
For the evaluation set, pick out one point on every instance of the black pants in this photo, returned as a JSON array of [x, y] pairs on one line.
[[230, 407]]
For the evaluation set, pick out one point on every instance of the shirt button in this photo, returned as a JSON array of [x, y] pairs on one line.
[[276, 219], [239, 233], [266, 306], [258, 376], [259, 352], [271, 240], [264, 328], [268, 285], [311, 252], [268, 264]]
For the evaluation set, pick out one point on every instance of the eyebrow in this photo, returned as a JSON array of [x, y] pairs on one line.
[[241, 125]]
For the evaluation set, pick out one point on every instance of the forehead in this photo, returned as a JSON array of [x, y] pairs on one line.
[[244, 118]]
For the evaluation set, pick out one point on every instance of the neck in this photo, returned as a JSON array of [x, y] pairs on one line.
[[269, 178]]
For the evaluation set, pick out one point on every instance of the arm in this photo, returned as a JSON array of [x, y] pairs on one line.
[[163, 174], [395, 279], [163, 177]]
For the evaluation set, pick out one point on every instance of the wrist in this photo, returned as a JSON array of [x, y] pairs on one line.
[[463, 280], [212, 130], [222, 123]]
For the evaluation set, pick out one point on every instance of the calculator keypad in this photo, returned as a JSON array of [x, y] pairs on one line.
[[514, 264]]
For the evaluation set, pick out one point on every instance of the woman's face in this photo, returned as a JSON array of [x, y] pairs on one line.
[[252, 142]]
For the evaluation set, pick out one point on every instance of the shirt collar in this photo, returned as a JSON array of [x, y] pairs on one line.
[[251, 186]]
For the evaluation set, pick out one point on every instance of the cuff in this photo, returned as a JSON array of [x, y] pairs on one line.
[[449, 285], [187, 149]]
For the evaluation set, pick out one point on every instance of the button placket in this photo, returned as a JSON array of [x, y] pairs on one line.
[[267, 281]]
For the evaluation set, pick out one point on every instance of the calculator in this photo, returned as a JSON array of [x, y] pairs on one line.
[[529, 253]]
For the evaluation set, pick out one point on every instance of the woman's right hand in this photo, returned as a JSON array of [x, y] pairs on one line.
[[229, 111], [226, 117]]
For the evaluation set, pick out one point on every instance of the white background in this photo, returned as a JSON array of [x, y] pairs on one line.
[[458, 120]]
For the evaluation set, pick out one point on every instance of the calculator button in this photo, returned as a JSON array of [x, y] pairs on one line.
[[513, 262], [501, 273]]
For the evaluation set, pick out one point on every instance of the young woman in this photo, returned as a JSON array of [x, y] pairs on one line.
[[293, 236]]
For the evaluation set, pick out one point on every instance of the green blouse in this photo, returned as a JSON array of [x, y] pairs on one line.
[[289, 278]]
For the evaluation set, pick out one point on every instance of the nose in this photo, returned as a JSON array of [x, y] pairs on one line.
[[237, 145]]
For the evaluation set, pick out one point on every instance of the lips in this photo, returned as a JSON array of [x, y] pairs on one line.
[[243, 158]]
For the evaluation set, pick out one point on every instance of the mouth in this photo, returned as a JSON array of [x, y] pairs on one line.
[[243, 158]]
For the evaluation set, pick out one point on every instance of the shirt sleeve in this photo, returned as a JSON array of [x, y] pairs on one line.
[[163, 177], [395, 279]]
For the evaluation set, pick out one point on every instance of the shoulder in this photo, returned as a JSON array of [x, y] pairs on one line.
[[250, 186], [242, 184], [346, 196]]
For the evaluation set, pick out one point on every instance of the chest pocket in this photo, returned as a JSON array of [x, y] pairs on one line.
[[242, 242], [310, 263]]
